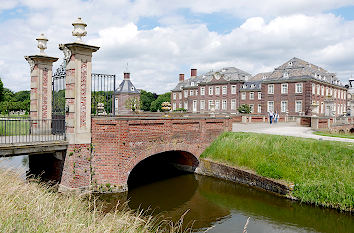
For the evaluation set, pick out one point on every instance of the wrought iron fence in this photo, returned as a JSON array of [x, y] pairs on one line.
[[24, 130], [103, 94], [58, 97]]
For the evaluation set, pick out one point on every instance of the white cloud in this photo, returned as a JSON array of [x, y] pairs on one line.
[[156, 56]]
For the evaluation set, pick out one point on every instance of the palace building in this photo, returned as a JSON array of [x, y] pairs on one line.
[[296, 87]]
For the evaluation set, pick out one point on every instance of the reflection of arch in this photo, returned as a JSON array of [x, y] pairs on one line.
[[160, 165]]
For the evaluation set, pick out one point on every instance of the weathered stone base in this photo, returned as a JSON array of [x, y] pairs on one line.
[[219, 170]]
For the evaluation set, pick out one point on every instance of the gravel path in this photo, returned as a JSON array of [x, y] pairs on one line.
[[286, 129]]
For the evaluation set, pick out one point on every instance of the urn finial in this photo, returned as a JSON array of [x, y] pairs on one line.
[[42, 44], [79, 29]]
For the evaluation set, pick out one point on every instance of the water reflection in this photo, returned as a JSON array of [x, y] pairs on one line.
[[226, 206]]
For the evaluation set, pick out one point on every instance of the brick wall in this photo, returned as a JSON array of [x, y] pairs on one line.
[[119, 144]]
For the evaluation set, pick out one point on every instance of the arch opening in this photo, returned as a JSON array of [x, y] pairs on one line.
[[162, 166]]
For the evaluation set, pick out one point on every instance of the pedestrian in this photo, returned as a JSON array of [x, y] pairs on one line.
[[276, 117], [270, 117]]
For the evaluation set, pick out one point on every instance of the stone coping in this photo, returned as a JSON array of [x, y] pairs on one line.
[[158, 118]]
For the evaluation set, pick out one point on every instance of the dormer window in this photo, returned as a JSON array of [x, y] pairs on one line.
[[290, 64], [192, 84], [253, 86], [264, 77], [132, 88], [286, 75], [244, 86]]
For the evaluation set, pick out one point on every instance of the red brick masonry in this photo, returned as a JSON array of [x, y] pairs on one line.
[[119, 144]]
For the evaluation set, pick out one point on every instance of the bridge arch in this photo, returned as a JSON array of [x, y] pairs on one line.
[[161, 165]]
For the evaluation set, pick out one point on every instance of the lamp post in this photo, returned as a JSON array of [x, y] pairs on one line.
[[79, 29], [42, 44]]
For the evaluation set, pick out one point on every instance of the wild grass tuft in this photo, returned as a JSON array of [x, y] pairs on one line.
[[35, 207], [322, 171]]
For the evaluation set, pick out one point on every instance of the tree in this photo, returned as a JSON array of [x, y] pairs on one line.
[[1, 91], [244, 108], [156, 104], [146, 98], [132, 103]]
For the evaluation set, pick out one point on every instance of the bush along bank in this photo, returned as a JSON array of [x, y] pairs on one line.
[[321, 171]]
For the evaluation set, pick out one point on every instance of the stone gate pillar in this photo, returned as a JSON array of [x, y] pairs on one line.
[[41, 86], [76, 173]]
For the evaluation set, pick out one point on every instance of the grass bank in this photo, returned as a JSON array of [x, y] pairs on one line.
[[33, 207], [338, 135], [322, 171]]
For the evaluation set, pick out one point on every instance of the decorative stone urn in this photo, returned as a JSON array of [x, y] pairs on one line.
[[166, 107], [79, 29], [100, 109], [42, 44]]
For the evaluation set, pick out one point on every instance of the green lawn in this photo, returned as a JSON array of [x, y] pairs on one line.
[[14, 127], [338, 135], [322, 171]]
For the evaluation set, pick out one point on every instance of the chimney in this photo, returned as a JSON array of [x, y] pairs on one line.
[[126, 76], [193, 73], [181, 78]]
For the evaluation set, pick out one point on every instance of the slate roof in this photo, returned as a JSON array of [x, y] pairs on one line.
[[251, 86], [226, 75], [126, 86]]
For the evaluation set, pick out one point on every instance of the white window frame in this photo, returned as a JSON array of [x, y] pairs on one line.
[[191, 93], [224, 104], [313, 89], [259, 95], [180, 105], [284, 88], [224, 90], [185, 105], [259, 108], [174, 106], [217, 104], [202, 90], [318, 89], [322, 90], [252, 108], [296, 106], [269, 103], [195, 106], [233, 89], [271, 89], [298, 88], [210, 102], [217, 90], [174, 96], [251, 95], [211, 90], [180, 95], [185, 94], [202, 104], [243, 95], [233, 104], [284, 106]]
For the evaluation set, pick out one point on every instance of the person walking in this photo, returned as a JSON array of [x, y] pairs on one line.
[[271, 117], [276, 117]]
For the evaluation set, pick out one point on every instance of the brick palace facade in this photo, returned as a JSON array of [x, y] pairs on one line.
[[296, 88]]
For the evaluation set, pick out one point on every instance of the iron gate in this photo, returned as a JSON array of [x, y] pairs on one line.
[[58, 100], [103, 94]]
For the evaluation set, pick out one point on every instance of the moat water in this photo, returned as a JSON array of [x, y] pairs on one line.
[[220, 206]]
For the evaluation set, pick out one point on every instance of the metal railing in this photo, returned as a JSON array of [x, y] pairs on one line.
[[103, 94], [26, 130]]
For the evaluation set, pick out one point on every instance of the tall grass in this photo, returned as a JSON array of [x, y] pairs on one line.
[[34, 207], [338, 135], [322, 171]]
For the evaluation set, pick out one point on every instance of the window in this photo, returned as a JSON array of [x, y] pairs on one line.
[[270, 106], [224, 90], [251, 95], [243, 95], [322, 107], [192, 84], [202, 104], [196, 92], [174, 106], [186, 105], [174, 96], [185, 94], [322, 90], [313, 89], [233, 104], [259, 95], [284, 106], [224, 104], [284, 88], [233, 89], [286, 75], [252, 108], [318, 89], [210, 104], [210, 90], [202, 91], [180, 105], [270, 88], [217, 104], [335, 93], [331, 91], [191, 92], [327, 91], [217, 90], [298, 88], [298, 106], [180, 95], [259, 108], [195, 107]]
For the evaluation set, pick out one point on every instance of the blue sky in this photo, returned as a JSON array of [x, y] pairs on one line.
[[160, 39]]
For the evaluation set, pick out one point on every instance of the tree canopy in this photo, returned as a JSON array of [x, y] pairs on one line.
[[156, 104]]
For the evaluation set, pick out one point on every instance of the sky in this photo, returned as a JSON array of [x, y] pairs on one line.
[[155, 40]]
